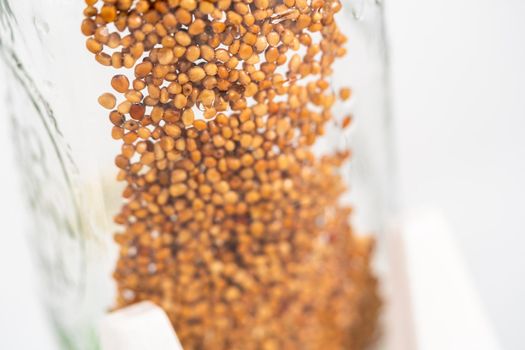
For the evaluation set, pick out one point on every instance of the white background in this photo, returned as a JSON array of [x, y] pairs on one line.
[[459, 102], [459, 99]]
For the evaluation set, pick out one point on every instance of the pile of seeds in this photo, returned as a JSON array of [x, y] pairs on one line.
[[230, 221]]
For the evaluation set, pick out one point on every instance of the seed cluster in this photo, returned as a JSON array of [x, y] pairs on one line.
[[230, 221]]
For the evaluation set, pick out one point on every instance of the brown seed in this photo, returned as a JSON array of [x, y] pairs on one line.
[[167, 143], [196, 74], [93, 45], [213, 175], [134, 21], [188, 117], [210, 69], [143, 69], [260, 109], [121, 162], [144, 133], [137, 111], [131, 125], [116, 118], [120, 83], [172, 130], [193, 53], [252, 197], [178, 190], [108, 13], [345, 93], [232, 293], [347, 121], [246, 140], [147, 158], [88, 27], [183, 38], [231, 197], [134, 96], [107, 100], [180, 101], [103, 58], [257, 228], [189, 5], [117, 133], [206, 7], [245, 51], [261, 4], [178, 175], [207, 97], [183, 16], [197, 27], [165, 56], [199, 124], [124, 107], [273, 38], [248, 126]]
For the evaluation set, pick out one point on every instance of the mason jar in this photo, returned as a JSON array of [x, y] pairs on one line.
[[227, 160]]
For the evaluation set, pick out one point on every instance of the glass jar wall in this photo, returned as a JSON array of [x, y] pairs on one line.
[[235, 182]]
